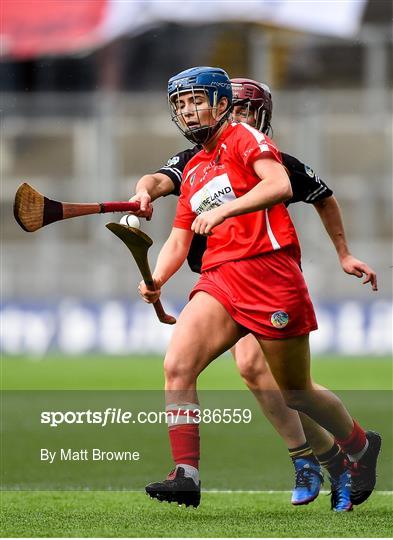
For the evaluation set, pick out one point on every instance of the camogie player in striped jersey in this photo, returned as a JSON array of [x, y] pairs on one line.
[[253, 105]]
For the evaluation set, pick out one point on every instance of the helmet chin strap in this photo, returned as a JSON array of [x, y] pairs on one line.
[[198, 135], [203, 134]]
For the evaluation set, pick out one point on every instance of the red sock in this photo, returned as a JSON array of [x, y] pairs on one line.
[[184, 433], [185, 444], [355, 442]]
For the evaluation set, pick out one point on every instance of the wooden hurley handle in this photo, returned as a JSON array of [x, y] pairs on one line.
[[119, 206], [139, 243], [162, 316]]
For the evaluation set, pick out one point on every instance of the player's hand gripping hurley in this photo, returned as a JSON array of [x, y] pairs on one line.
[[32, 210], [139, 243]]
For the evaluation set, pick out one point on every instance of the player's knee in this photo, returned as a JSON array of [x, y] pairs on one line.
[[252, 368], [296, 399], [176, 372]]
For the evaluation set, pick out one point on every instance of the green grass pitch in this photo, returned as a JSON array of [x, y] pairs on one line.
[[221, 514], [106, 514], [121, 373]]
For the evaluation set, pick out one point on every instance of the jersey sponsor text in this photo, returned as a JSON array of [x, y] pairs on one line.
[[215, 193]]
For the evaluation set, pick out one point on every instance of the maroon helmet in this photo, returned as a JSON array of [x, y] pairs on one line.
[[256, 95]]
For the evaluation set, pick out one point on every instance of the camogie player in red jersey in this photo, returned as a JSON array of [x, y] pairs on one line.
[[309, 445], [232, 192]]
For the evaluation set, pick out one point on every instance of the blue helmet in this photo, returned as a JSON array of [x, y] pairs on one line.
[[215, 83]]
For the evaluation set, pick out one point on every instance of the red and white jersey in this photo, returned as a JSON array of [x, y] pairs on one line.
[[211, 179]]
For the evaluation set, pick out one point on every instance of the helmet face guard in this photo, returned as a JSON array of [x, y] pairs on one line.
[[214, 83], [254, 95]]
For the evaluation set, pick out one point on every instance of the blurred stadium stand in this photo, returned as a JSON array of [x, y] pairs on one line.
[[85, 129]]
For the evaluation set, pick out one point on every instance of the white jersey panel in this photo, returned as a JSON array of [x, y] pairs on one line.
[[215, 193]]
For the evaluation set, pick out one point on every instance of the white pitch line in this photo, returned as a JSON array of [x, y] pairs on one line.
[[213, 491], [272, 492]]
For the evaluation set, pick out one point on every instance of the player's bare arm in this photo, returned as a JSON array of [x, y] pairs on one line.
[[170, 259], [149, 188], [274, 188], [330, 214]]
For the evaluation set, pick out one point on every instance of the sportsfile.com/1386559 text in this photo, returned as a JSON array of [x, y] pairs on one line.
[[113, 415]]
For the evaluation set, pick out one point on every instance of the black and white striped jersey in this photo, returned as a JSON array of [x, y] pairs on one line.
[[307, 187], [175, 166]]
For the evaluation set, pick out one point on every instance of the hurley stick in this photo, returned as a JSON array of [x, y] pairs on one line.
[[139, 243], [32, 210]]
